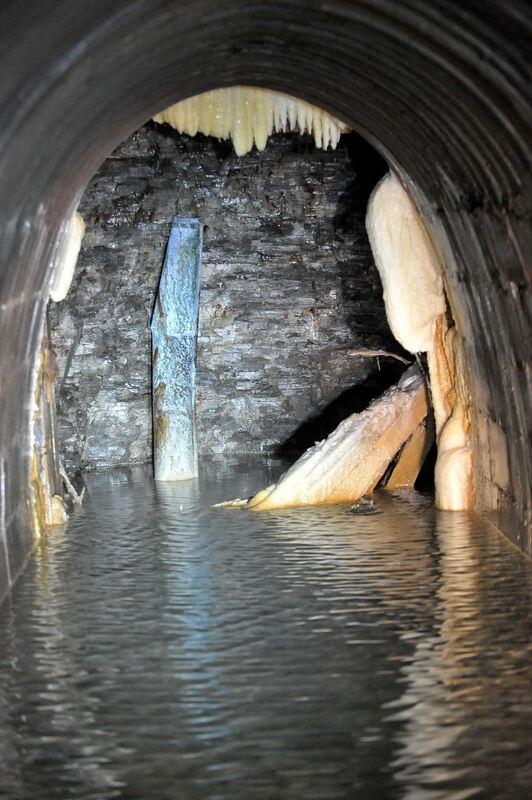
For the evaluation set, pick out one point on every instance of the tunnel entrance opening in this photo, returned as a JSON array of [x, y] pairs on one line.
[[289, 292], [387, 656]]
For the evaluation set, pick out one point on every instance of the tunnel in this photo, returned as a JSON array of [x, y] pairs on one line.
[[438, 93]]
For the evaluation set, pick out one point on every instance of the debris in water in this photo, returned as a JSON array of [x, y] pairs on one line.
[[351, 461], [364, 505]]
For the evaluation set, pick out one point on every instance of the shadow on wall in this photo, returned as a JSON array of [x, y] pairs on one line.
[[355, 399], [358, 288]]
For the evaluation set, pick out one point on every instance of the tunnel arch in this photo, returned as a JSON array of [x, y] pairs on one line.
[[441, 90]]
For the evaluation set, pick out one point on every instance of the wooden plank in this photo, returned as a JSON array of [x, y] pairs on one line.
[[412, 456], [351, 461], [174, 331]]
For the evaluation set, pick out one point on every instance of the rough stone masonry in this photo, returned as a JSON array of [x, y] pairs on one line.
[[288, 287]]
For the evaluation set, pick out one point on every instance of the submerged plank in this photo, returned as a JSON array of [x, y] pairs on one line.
[[351, 461]]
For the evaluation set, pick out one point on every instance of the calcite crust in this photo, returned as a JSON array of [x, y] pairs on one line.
[[350, 462]]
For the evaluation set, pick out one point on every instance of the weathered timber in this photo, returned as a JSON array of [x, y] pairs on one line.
[[351, 461], [174, 330], [412, 456], [46, 484]]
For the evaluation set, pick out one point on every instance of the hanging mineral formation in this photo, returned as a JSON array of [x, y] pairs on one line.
[[248, 115], [408, 265], [66, 257], [411, 275], [349, 464], [46, 490]]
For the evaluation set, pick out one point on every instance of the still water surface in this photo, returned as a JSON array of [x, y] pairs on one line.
[[159, 649]]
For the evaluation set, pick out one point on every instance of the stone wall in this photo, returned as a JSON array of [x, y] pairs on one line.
[[288, 286]]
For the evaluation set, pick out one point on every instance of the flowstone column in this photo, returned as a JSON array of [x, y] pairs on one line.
[[174, 332]]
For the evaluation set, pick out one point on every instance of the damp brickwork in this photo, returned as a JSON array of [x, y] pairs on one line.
[[288, 289]]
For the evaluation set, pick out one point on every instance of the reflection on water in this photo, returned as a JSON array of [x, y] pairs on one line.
[[163, 650]]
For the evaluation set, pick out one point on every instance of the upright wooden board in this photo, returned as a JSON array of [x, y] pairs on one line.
[[174, 332]]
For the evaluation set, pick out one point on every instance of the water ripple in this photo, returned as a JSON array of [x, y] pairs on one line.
[[160, 649]]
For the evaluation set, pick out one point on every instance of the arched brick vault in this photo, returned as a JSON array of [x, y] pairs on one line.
[[440, 88]]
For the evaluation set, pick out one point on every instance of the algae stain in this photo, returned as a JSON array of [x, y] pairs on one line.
[[160, 389], [161, 426]]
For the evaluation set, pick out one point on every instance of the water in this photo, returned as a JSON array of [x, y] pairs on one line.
[[163, 650]]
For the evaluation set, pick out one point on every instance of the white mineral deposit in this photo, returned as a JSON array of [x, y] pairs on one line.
[[408, 264], [248, 115], [66, 257]]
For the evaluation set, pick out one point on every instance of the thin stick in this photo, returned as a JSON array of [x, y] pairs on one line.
[[373, 353], [76, 498]]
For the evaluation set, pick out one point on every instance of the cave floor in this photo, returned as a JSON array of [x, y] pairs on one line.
[[159, 648]]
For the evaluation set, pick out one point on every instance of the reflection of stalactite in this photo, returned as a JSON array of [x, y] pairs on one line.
[[465, 676], [248, 115], [68, 706]]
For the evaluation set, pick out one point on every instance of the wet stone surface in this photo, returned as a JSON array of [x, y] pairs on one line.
[[287, 276], [159, 648]]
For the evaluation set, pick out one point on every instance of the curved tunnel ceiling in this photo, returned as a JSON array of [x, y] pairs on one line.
[[442, 90]]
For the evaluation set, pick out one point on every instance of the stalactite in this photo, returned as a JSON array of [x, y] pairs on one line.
[[408, 265], [248, 115], [414, 298], [46, 491], [454, 465], [66, 257]]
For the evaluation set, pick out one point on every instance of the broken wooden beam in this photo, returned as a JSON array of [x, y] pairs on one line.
[[174, 330], [412, 457], [351, 461]]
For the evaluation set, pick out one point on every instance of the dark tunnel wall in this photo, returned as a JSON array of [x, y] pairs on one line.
[[442, 89], [288, 290]]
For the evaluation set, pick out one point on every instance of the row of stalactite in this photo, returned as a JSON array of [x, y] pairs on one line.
[[248, 115]]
